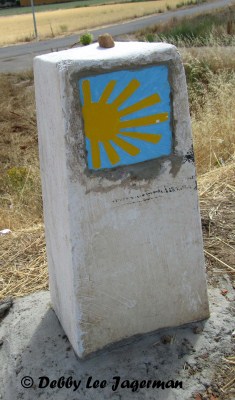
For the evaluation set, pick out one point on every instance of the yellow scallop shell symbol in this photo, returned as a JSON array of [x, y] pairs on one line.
[[103, 123]]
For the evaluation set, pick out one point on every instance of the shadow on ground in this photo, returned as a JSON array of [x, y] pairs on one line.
[[35, 345]]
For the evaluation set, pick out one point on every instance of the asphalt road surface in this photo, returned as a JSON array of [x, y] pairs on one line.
[[20, 57]]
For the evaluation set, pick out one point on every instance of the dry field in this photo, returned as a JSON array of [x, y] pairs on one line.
[[23, 260], [19, 28]]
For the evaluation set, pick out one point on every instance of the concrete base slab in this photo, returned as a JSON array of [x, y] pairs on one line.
[[34, 345]]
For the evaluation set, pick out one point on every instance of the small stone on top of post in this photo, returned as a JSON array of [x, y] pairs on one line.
[[106, 41]]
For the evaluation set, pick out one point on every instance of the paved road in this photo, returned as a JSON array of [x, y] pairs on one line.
[[20, 57]]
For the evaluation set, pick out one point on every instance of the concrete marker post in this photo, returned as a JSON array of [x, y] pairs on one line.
[[123, 233]]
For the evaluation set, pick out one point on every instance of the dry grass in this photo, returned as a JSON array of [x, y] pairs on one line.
[[230, 367], [18, 28], [23, 261], [209, 29], [211, 81], [213, 123], [217, 199], [216, 58], [20, 187], [23, 266]]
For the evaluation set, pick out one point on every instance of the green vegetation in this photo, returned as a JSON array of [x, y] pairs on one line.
[[86, 38], [189, 3], [150, 37], [202, 30], [17, 177]]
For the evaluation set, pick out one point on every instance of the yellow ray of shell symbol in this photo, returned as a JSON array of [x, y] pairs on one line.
[[103, 124]]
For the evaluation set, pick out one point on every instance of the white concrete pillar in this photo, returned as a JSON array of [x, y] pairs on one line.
[[123, 231]]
